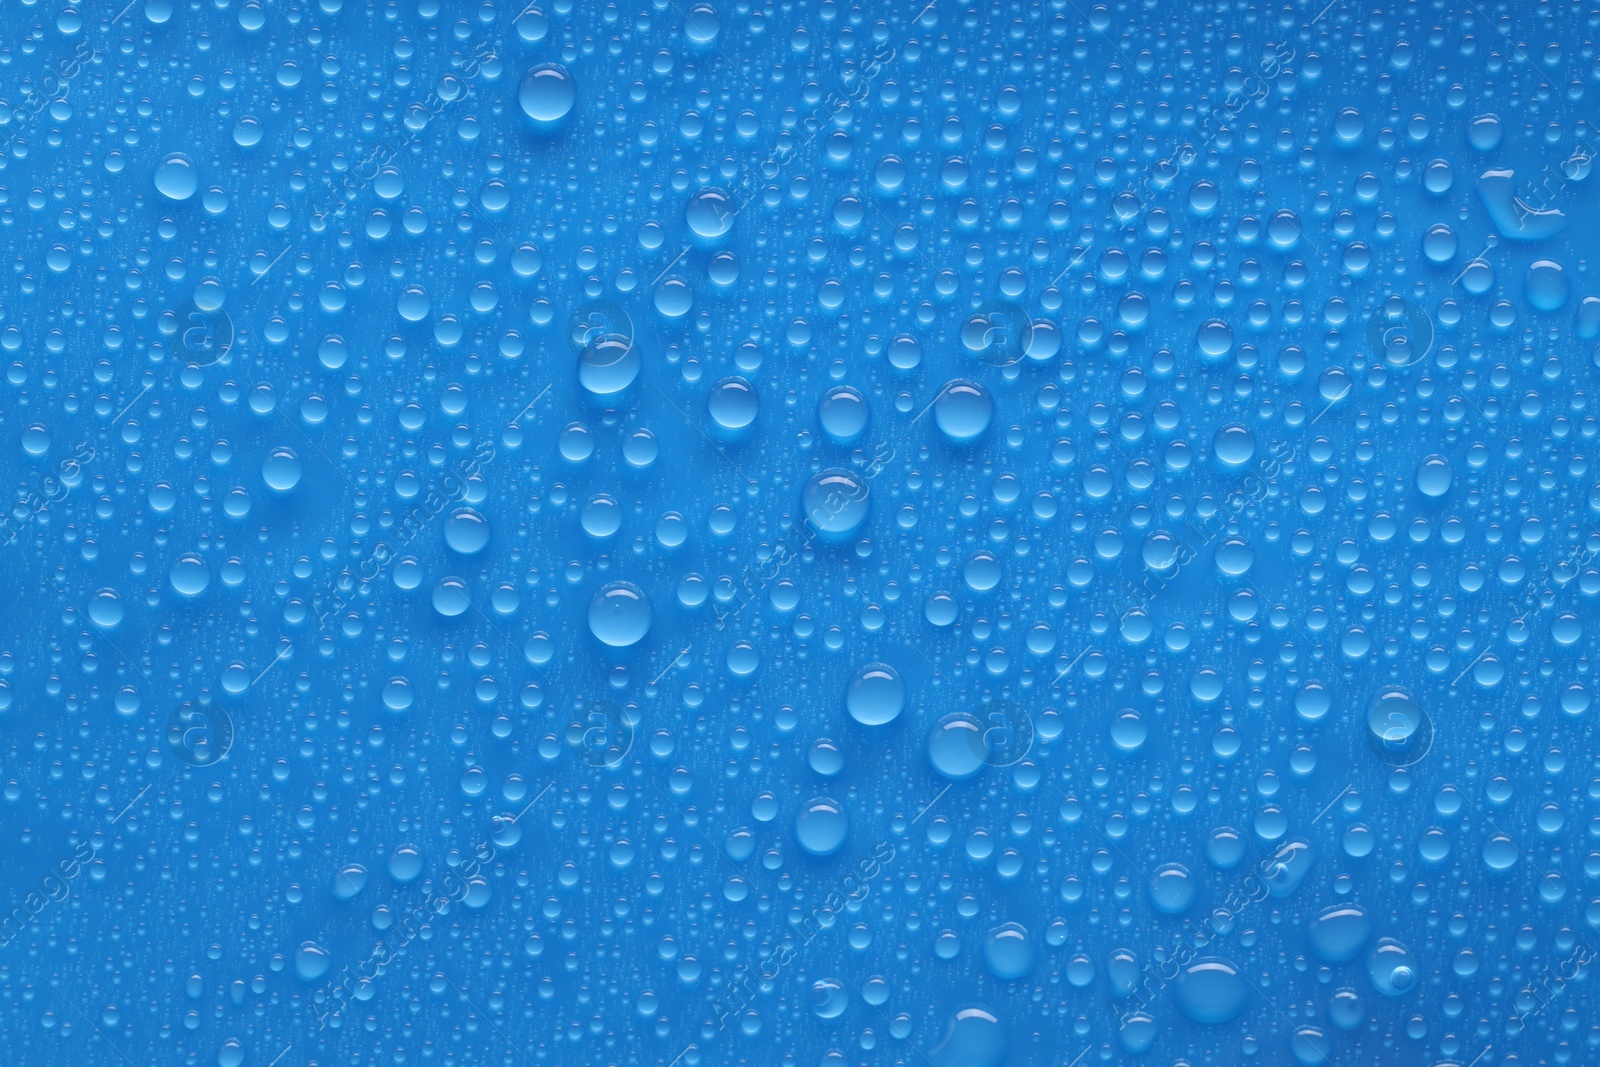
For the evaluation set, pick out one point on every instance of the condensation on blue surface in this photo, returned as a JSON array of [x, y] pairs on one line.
[[807, 534]]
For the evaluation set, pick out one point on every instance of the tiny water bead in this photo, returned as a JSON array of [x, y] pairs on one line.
[[674, 297], [1434, 476], [405, 863], [36, 440], [1399, 730], [311, 961], [702, 24], [1312, 701], [825, 757], [1215, 339], [547, 92], [1161, 550], [1288, 867], [1235, 444], [641, 449], [620, 614], [1129, 730], [1225, 848], [1485, 132], [1547, 286], [876, 695], [451, 597], [106, 609], [349, 881], [602, 516]]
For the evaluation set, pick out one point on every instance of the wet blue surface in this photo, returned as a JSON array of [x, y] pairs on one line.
[[805, 534]]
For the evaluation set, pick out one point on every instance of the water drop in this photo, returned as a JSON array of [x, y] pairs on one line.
[[281, 469], [620, 614], [1211, 990], [836, 503], [821, 826], [466, 531], [876, 695], [547, 92], [176, 177], [963, 411], [1008, 952]]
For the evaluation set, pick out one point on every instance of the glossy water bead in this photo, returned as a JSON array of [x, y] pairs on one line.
[[876, 695], [1011, 535], [620, 614], [547, 92]]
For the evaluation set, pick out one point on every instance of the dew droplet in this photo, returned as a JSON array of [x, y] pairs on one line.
[[821, 826], [620, 614], [176, 177], [963, 411], [281, 469], [547, 92], [876, 695], [1008, 952], [466, 531], [190, 575], [1211, 990], [836, 503]]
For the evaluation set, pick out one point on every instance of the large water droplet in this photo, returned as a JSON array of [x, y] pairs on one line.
[[1007, 952], [619, 614], [190, 575], [733, 403], [821, 826], [975, 1039], [963, 411], [1339, 933], [1211, 990], [1391, 968], [836, 503], [466, 531], [547, 92], [281, 469], [608, 364], [709, 212], [876, 695], [176, 177]]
